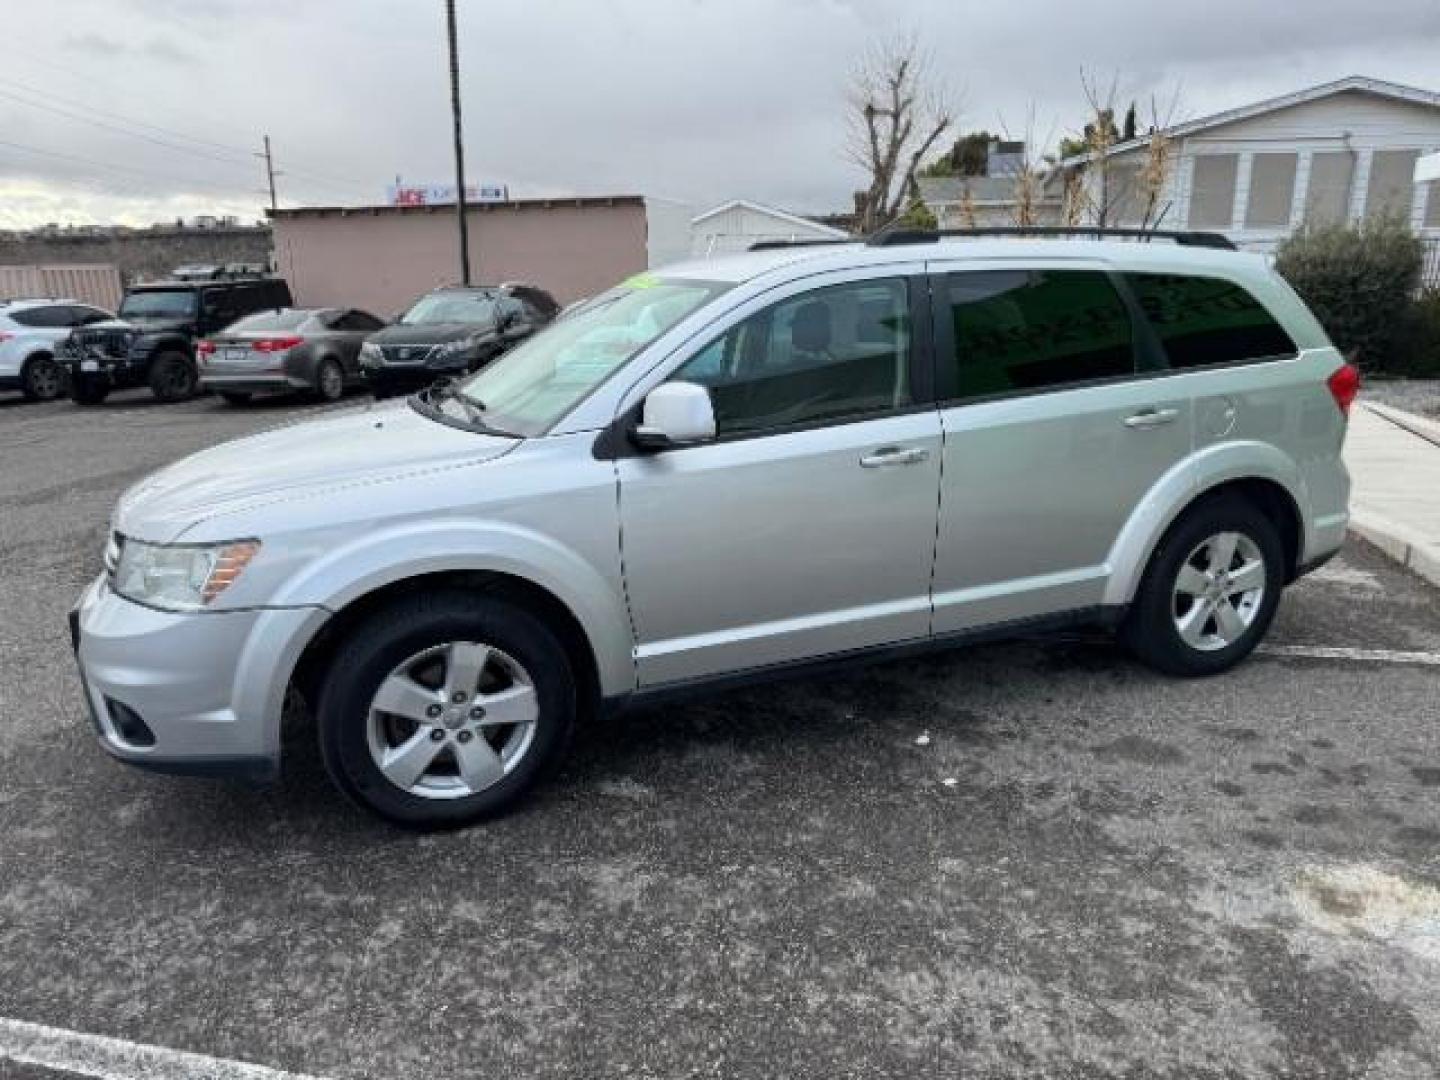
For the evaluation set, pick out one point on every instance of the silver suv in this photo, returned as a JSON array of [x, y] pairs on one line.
[[729, 469]]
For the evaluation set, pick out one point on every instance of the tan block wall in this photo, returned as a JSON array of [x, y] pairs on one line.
[[381, 261]]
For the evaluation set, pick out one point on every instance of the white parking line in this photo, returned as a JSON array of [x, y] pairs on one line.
[[103, 1058], [1336, 652]]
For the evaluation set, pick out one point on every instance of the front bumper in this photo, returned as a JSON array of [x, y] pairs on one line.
[[208, 687]]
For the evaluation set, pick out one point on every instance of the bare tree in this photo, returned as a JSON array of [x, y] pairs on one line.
[[1103, 188], [1159, 162], [1029, 175], [1100, 136], [897, 114]]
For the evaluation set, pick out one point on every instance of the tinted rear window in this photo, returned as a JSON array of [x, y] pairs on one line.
[[1203, 320], [271, 320], [1017, 330]]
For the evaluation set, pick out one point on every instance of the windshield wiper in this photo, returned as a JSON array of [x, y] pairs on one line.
[[445, 389]]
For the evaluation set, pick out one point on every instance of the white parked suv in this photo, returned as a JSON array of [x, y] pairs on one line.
[[29, 332], [725, 470]]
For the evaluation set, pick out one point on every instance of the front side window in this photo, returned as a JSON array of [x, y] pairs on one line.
[[536, 383], [1025, 330], [159, 304], [830, 354], [1203, 320]]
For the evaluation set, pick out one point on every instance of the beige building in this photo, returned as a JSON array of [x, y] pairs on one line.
[[382, 257]]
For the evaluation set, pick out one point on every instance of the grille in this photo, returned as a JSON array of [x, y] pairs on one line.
[[110, 342], [406, 354]]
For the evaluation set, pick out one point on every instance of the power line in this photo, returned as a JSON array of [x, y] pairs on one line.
[[245, 154], [94, 164]]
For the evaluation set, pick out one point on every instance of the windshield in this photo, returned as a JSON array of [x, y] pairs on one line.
[[161, 303], [533, 385], [450, 307]]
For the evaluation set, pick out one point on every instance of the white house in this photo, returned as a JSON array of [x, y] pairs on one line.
[[987, 201], [735, 225], [1340, 151]]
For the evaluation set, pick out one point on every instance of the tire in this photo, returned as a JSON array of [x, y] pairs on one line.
[[417, 649], [42, 378], [329, 381], [173, 377], [85, 392], [236, 397], [1195, 546]]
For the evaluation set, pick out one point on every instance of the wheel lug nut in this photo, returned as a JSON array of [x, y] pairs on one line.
[[433, 711], [437, 735], [477, 713], [459, 696], [464, 736]]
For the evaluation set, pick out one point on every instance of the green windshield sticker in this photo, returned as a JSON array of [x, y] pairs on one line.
[[642, 281]]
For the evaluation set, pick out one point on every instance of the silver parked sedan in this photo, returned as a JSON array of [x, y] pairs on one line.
[[314, 349]]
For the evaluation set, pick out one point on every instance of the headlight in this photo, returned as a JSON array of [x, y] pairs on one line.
[[456, 348], [371, 356], [179, 577]]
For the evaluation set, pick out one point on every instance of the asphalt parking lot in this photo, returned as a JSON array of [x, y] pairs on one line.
[[1033, 858]]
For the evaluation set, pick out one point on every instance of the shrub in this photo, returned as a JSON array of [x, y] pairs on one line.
[[1360, 280], [1415, 351]]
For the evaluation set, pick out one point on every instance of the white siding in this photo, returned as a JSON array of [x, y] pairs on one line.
[[737, 227]]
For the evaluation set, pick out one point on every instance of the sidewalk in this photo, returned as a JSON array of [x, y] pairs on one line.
[[1394, 463]]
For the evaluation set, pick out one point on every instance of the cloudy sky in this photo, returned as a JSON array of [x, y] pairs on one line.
[[141, 110]]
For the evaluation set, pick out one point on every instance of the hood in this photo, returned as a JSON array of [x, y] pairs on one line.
[[427, 333], [141, 325], [368, 445]]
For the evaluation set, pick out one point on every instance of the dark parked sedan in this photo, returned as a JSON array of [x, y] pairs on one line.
[[451, 331], [314, 349]]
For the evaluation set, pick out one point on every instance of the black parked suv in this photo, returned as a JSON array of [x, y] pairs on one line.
[[152, 342], [452, 330]]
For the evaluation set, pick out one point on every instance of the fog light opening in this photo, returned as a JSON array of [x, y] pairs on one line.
[[128, 725]]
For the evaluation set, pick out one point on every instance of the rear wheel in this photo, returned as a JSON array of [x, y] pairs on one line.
[[43, 379], [1210, 591], [329, 381], [445, 709], [173, 377], [236, 397]]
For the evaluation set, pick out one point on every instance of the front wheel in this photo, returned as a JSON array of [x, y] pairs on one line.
[[1210, 591], [85, 391], [445, 709]]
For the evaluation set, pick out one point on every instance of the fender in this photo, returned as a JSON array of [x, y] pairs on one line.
[[1169, 496], [355, 568]]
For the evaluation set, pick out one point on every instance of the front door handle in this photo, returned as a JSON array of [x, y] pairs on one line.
[[1152, 418], [894, 455]]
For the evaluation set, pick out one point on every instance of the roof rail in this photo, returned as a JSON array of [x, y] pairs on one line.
[[892, 237], [778, 245]]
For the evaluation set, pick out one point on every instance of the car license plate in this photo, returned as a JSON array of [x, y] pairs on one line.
[[235, 354], [89, 365]]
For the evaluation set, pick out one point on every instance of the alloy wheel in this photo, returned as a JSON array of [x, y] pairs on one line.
[[44, 378], [452, 720], [1218, 591]]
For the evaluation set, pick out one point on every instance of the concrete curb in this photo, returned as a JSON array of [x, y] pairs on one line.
[[1417, 553], [1397, 542]]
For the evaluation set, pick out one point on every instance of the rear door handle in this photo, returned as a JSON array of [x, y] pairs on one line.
[[894, 455], [1152, 418]]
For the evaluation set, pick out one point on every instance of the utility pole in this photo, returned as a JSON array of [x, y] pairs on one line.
[[269, 172], [459, 144]]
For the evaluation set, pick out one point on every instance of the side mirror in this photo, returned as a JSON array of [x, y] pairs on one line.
[[676, 414]]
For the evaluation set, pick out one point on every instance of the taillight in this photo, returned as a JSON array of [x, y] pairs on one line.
[[1344, 386], [205, 348], [276, 344]]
